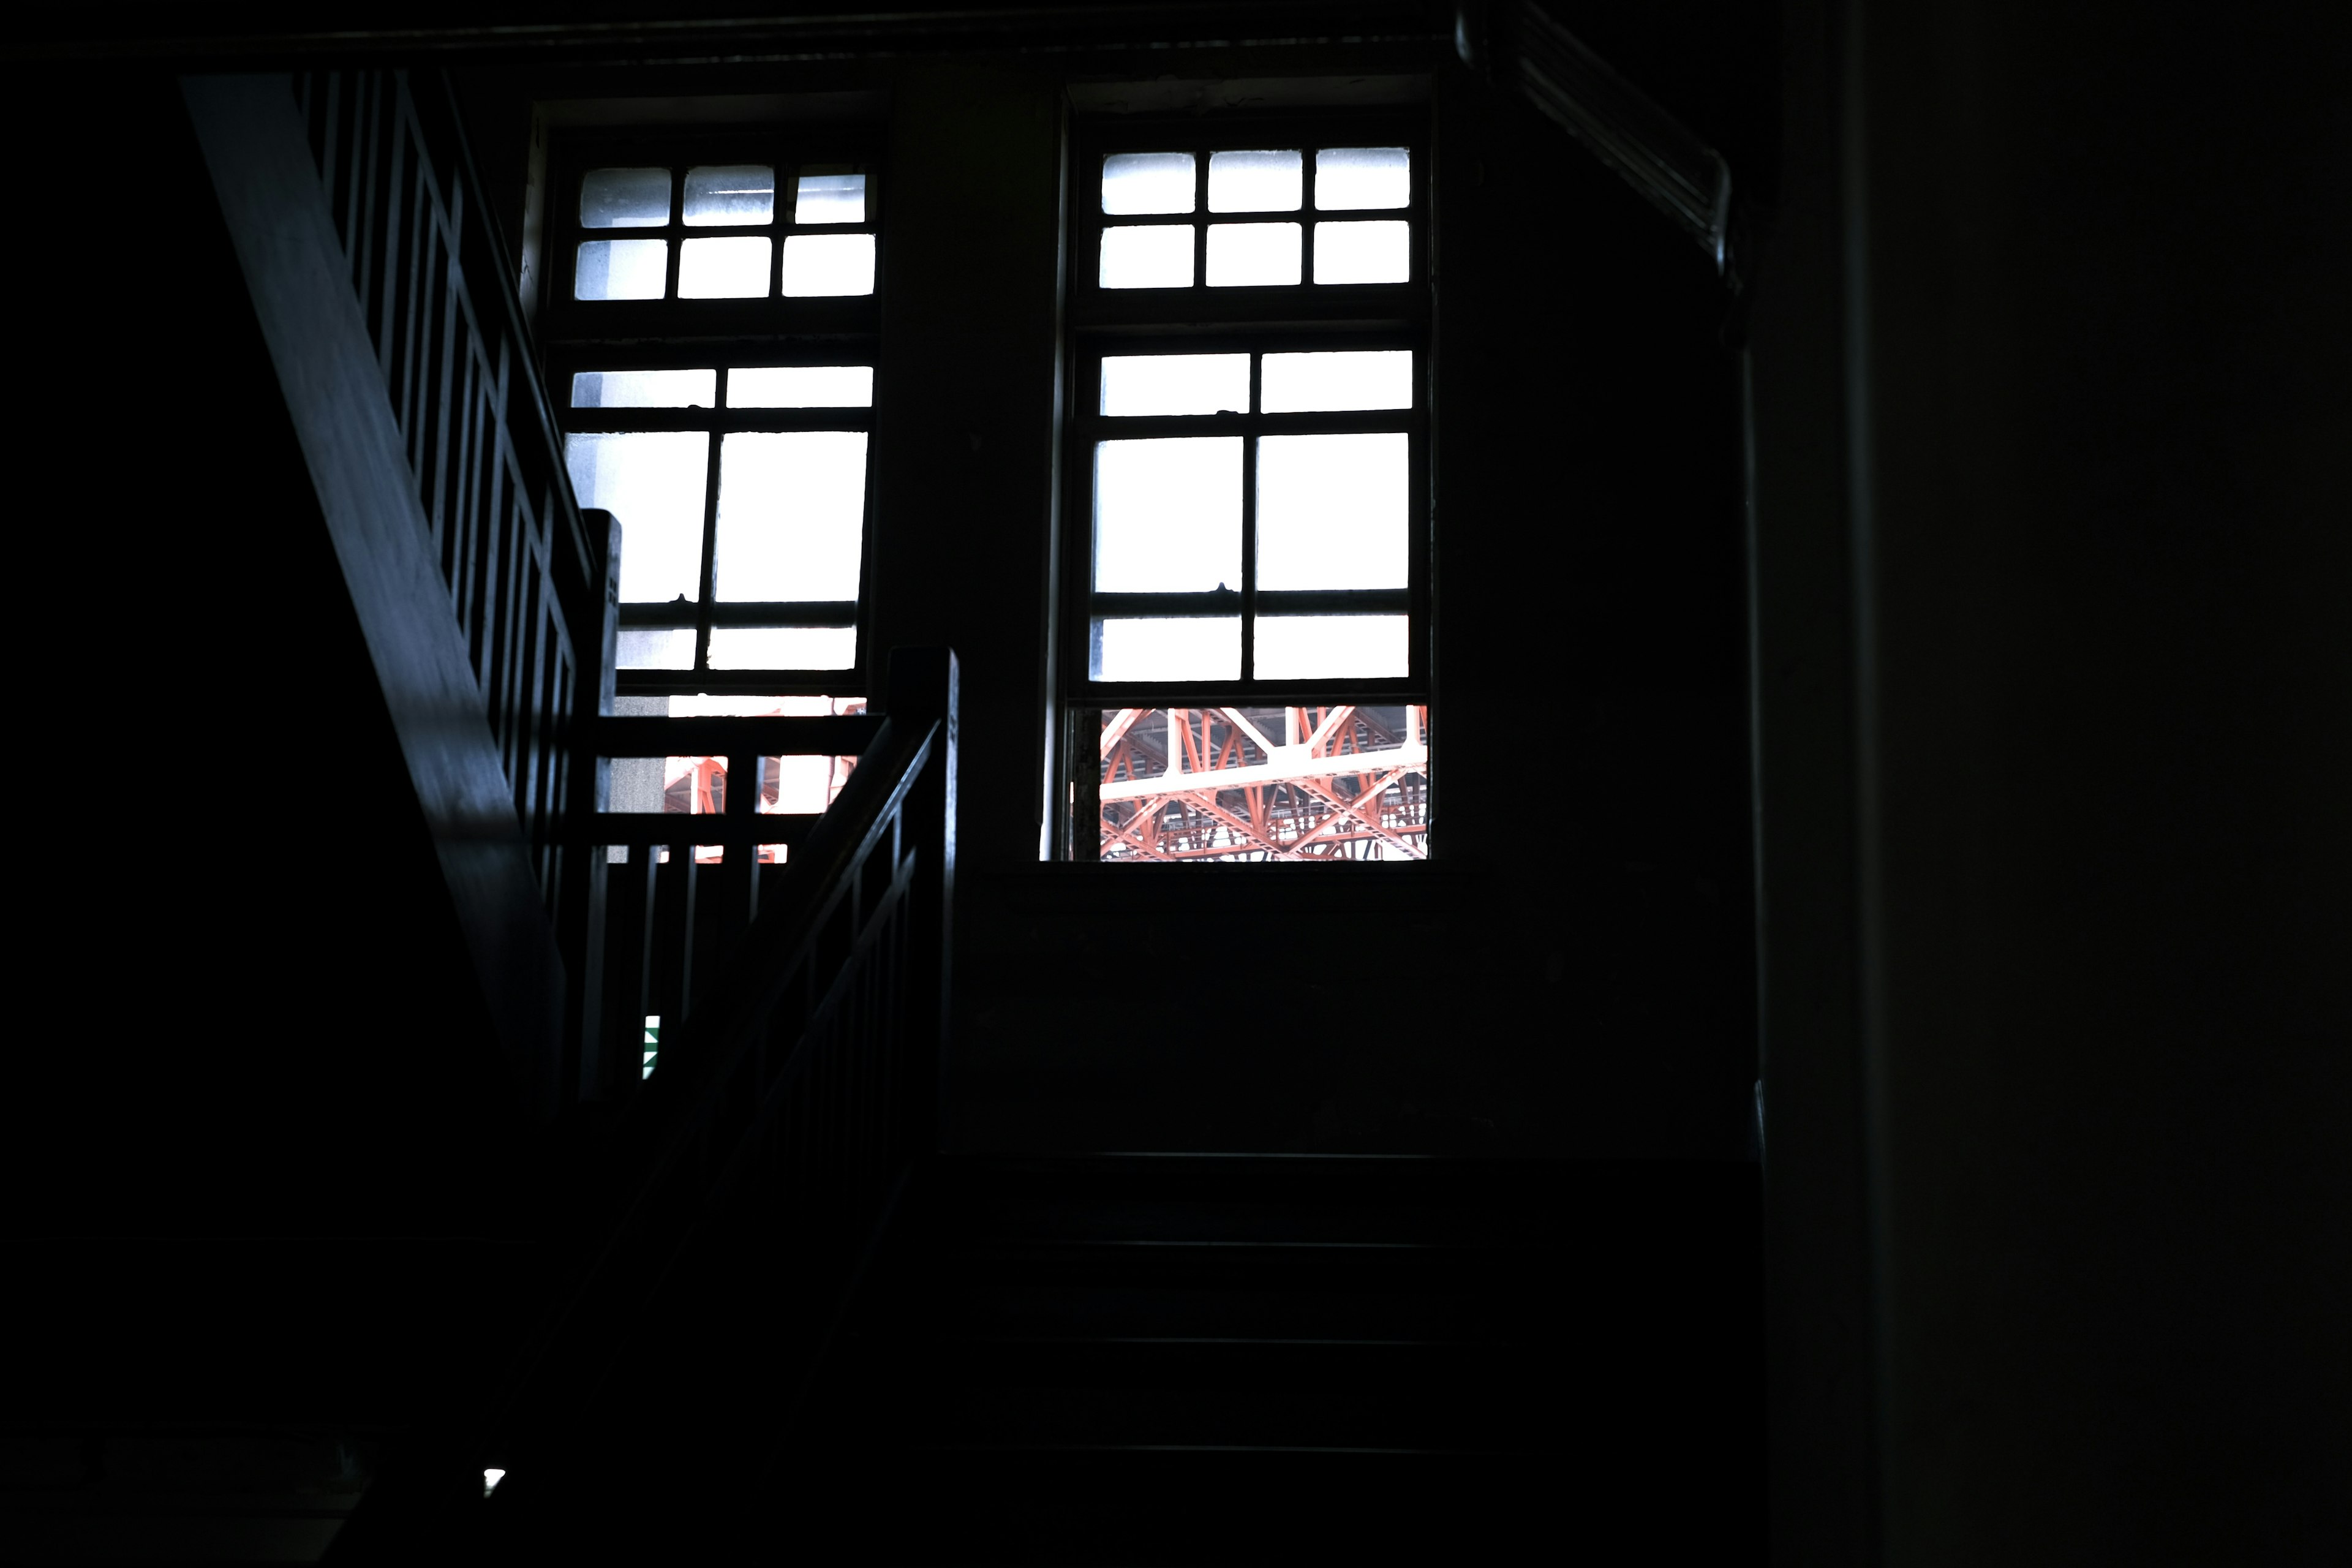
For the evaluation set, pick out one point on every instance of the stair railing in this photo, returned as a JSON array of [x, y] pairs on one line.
[[731, 1207], [803, 1005], [434, 286]]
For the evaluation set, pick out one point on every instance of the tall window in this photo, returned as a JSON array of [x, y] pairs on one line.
[[709, 336], [712, 332], [1248, 664]]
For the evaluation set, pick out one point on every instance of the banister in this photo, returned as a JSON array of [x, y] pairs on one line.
[[789, 1066]]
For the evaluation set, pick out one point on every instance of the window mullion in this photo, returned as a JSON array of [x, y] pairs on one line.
[[710, 595], [675, 259], [1201, 218], [1249, 531], [1307, 217]]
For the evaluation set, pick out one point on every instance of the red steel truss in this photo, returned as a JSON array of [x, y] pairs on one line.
[[1213, 783]]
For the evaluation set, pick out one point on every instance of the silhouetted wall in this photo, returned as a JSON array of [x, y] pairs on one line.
[[2056, 741], [250, 1046]]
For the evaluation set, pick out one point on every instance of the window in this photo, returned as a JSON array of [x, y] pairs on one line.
[[1249, 582], [710, 340]]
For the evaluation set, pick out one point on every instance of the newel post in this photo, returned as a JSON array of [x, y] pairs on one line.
[[922, 692]]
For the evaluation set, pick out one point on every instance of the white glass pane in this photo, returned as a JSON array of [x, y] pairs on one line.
[[1353, 177], [784, 648], [1363, 252], [801, 386], [818, 264], [1306, 384], [1304, 647], [1167, 515], [622, 270], [1331, 512], [1155, 257], [1175, 383], [625, 198], [835, 197], [1167, 647], [1254, 182], [733, 269], [645, 389], [791, 515], [1243, 254], [1148, 183], [723, 193], [645, 648], [653, 482]]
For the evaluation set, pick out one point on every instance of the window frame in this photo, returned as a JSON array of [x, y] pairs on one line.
[[722, 335], [1258, 319]]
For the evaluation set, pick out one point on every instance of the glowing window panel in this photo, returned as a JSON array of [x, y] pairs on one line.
[[823, 263], [1254, 255], [625, 198], [1255, 182], [1376, 252], [1138, 183], [829, 196], [1356, 178], [730, 194], [1159, 257], [1136, 385], [801, 386], [622, 270]]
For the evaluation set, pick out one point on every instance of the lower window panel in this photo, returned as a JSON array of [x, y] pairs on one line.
[[1238, 784]]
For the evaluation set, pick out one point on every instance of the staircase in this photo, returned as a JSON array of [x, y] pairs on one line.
[[1181, 1360]]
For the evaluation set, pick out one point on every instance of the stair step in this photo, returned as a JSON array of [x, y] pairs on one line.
[[1176, 1505]]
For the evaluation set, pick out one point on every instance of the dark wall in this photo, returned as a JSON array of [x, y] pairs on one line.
[[247, 1032], [2051, 419]]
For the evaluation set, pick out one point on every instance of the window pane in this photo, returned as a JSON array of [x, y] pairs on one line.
[[1175, 383], [645, 389], [1155, 257], [653, 482], [1363, 252], [791, 515], [1299, 647], [1309, 783], [622, 270], [790, 783], [1355, 177], [1306, 383], [817, 264], [801, 386], [723, 193], [835, 197], [1243, 254], [625, 198], [784, 648], [648, 648], [734, 269], [1331, 512], [1167, 647], [1167, 515], [1254, 182], [1148, 183]]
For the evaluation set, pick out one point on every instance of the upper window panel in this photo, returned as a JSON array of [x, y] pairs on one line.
[[1184, 219], [723, 231]]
